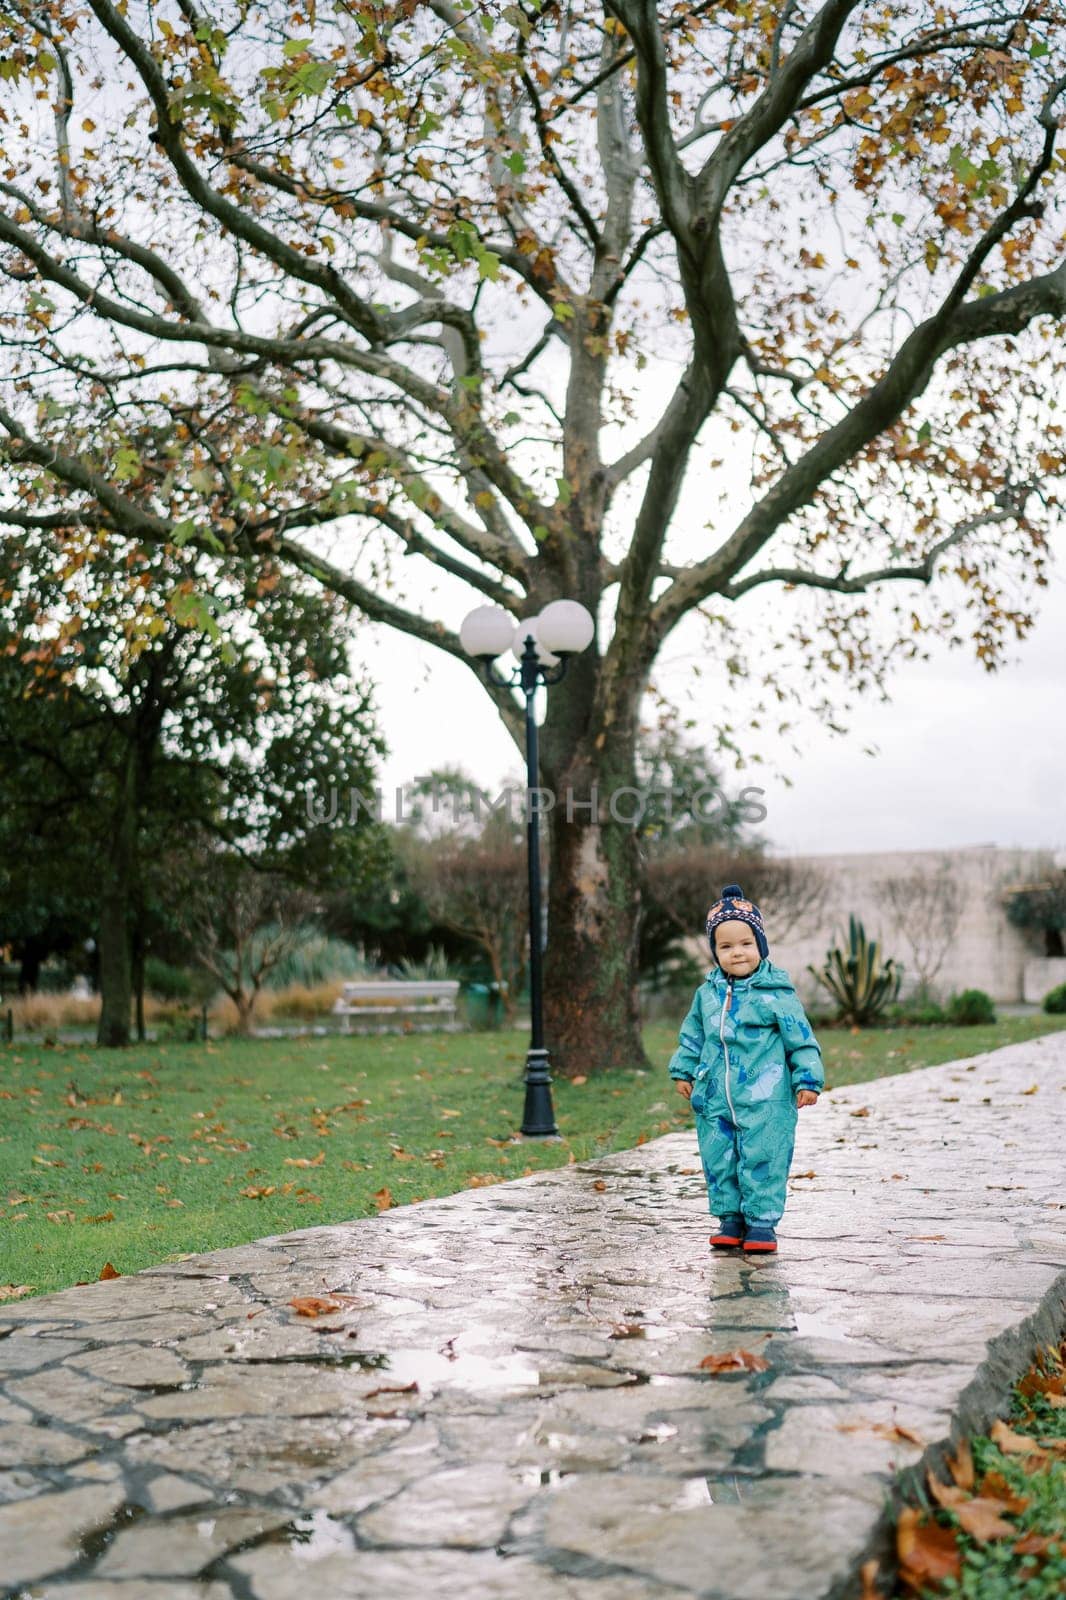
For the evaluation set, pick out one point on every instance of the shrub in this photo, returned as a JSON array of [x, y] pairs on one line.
[[861, 983], [970, 1008], [1055, 1000]]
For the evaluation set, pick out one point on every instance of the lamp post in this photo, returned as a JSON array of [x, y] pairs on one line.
[[542, 646]]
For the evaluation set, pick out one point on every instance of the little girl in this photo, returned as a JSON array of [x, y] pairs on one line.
[[747, 1059]]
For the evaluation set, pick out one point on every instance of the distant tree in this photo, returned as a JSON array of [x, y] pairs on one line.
[[151, 712], [1040, 908], [241, 921], [924, 908]]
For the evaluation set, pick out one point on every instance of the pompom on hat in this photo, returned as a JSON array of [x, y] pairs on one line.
[[733, 907]]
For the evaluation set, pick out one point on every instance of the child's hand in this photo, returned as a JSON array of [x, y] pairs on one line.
[[684, 1087], [806, 1097]]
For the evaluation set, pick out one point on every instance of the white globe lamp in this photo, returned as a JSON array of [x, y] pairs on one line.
[[487, 632], [565, 627], [531, 625]]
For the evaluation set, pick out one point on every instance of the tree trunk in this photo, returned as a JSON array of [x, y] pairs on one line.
[[591, 971], [245, 1004], [116, 979], [138, 981], [30, 966]]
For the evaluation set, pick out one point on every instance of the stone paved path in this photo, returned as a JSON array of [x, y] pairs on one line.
[[183, 1433]]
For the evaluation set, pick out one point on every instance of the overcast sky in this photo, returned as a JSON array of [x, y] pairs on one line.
[[963, 757]]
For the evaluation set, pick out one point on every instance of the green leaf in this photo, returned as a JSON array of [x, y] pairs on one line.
[[295, 47], [562, 311], [515, 162], [127, 463], [488, 263], [1037, 50], [566, 494], [925, 432], [898, 218]]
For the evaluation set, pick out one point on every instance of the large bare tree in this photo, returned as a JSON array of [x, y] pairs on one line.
[[479, 285]]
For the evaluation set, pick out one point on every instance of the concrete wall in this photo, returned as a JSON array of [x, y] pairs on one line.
[[987, 952]]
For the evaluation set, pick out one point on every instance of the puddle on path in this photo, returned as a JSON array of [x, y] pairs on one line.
[[313, 1536], [816, 1325], [429, 1368]]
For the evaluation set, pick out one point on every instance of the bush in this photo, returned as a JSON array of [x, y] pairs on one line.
[[916, 1012], [970, 1008], [858, 978], [1055, 1000]]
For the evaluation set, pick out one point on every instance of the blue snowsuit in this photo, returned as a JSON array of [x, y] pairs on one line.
[[747, 1049]]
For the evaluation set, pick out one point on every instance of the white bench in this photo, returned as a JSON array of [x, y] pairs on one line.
[[426, 999]]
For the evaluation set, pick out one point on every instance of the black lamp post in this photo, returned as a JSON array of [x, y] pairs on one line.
[[543, 645]]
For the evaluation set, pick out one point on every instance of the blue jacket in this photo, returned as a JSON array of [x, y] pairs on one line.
[[762, 1048]]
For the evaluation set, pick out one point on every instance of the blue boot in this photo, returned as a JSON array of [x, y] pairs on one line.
[[730, 1232], [759, 1236]]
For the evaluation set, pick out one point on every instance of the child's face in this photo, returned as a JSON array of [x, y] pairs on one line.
[[738, 954]]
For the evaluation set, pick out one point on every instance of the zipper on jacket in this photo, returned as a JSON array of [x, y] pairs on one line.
[[725, 1047]]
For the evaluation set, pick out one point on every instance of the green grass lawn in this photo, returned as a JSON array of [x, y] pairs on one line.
[[140, 1156]]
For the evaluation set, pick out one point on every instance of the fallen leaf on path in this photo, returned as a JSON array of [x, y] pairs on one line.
[[599, 1185], [960, 1465], [868, 1573], [1032, 1090], [863, 1111], [983, 1519], [926, 1238], [927, 1552], [734, 1361], [804, 1174], [626, 1330], [885, 1430], [313, 1305], [392, 1388]]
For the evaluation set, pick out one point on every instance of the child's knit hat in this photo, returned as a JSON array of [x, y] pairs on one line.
[[732, 907]]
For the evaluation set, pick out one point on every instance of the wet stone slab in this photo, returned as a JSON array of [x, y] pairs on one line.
[[510, 1403]]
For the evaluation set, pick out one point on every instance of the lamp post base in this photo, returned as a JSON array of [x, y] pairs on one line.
[[538, 1116]]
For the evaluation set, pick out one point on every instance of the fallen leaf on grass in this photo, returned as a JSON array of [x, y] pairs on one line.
[[1035, 1544], [305, 1161], [734, 1361], [105, 1216], [995, 1485], [398, 1153], [392, 1388], [451, 1113], [1011, 1443], [313, 1305], [927, 1552], [481, 1180], [982, 1519], [1041, 1383], [579, 1080], [948, 1495], [108, 1271], [382, 1198], [15, 1291], [960, 1465], [60, 1216]]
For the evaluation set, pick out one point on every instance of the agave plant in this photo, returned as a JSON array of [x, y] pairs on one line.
[[859, 980]]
